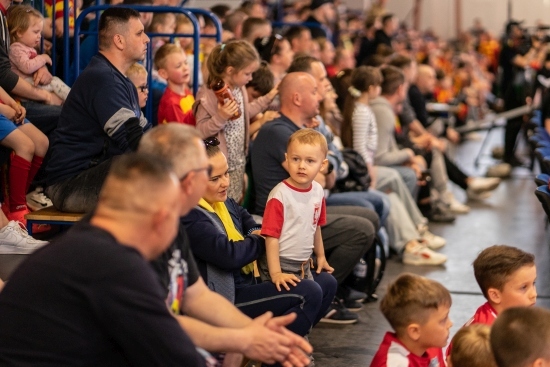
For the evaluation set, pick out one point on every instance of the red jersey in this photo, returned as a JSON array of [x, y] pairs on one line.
[[176, 108], [485, 314], [392, 353]]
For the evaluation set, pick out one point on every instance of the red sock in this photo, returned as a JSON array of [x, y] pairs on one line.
[[35, 166], [19, 175]]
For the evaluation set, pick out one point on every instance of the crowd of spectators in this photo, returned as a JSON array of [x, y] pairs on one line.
[[388, 101]]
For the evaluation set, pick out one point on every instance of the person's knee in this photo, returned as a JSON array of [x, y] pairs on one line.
[[24, 147], [327, 282], [311, 291], [41, 143]]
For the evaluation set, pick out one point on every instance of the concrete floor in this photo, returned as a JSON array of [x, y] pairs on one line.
[[511, 216]]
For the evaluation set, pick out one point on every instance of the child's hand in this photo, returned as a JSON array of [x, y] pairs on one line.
[[272, 93], [47, 59], [282, 278], [20, 113], [228, 110], [322, 264]]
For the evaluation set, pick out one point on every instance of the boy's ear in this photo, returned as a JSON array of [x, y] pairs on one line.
[[324, 165], [163, 73], [494, 295], [413, 332]]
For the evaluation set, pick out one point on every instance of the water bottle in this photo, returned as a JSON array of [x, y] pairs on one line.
[[360, 270]]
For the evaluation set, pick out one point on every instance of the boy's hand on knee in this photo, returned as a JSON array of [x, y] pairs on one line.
[[322, 264], [282, 279]]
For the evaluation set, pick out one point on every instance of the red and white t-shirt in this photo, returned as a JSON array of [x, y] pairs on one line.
[[485, 314], [392, 353], [292, 215]]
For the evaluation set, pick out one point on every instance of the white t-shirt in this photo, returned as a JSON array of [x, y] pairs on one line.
[[292, 215]]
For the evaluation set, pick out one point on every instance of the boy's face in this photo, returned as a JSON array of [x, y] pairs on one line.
[[518, 291], [253, 94], [434, 333], [304, 163], [140, 81], [176, 70]]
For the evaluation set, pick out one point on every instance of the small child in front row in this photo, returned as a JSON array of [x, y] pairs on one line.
[[520, 337], [506, 276], [294, 214], [25, 25], [472, 348], [138, 76], [176, 104], [417, 309]]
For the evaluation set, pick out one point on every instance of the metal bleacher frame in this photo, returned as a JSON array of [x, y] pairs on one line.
[[66, 54]]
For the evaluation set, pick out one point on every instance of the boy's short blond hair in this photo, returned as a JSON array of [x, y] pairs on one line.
[[182, 19], [136, 69], [163, 52], [310, 137], [494, 265], [472, 347], [521, 335], [410, 298]]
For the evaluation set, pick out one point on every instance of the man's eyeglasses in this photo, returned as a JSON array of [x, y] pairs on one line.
[[211, 142], [208, 170], [143, 88]]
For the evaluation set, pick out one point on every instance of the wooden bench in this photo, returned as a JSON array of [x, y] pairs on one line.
[[51, 216]]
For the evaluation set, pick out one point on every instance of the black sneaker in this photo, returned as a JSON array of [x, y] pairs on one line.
[[355, 295], [338, 314], [353, 306]]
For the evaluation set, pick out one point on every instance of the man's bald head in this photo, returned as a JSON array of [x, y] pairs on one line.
[[293, 83], [298, 95], [174, 143], [425, 79]]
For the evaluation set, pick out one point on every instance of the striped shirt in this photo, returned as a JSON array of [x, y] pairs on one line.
[[365, 132]]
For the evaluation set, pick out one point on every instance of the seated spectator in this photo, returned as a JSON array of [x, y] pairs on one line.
[[101, 115], [79, 277], [234, 25], [176, 104], [26, 25], [138, 75], [254, 28], [367, 47], [472, 348], [276, 51], [162, 23], [327, 55], [253, 8], [323, 13], [231, 250], [184, 26], [44, 117], [417, 309], [349, 230], [260, 85], [343, 60], [29, 146], [520, 337], [299, 38], [386, 33], [212, 327]]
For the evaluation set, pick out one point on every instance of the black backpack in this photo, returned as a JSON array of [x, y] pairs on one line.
[[358, 178]]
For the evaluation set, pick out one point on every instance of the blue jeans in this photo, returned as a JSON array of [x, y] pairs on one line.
[[409, 177], [372, 199], [43, 116], [309, 299]]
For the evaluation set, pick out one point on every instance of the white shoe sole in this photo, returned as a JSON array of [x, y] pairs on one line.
[[12, 250], [422, 262]]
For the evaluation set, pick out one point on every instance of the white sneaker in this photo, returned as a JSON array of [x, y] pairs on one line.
[[432, 241], [37, 200], [478, 196], [501, 170], [417, 254], [14, 239], [482, 184], [455, 206]]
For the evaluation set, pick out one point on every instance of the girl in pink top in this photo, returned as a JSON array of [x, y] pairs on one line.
[[25, 25]]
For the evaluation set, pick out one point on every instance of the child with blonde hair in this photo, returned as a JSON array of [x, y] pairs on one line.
[[233, 63], [472, 347], [138, 76], [25, 26], [294, 214]]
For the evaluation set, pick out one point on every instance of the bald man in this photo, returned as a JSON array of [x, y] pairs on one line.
[[211, 321], [91, 298], [348, 233], [101, 117]]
